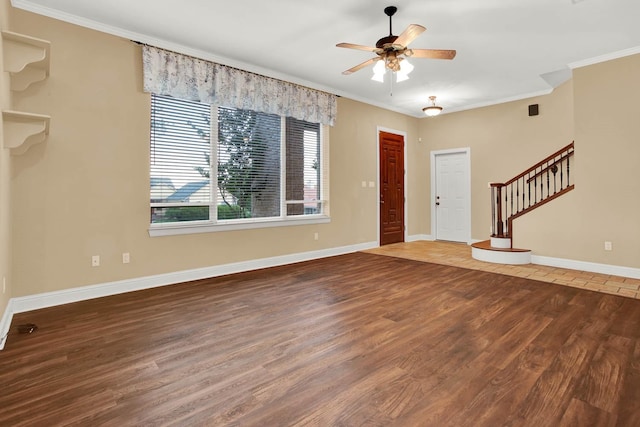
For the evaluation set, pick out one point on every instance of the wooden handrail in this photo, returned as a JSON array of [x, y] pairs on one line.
[[524, 192], [564, 156], [540, 163]]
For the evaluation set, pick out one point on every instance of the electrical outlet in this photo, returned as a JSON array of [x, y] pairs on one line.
[[315, 236], [125, 258], [95, 261], [608, 246]]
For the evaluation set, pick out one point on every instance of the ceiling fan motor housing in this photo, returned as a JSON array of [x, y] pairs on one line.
[[388, 40]]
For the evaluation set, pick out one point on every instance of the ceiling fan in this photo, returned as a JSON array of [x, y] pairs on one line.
[[393, 49]]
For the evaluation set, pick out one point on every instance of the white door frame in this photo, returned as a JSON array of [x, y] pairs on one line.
[[404, 154], [467, 152]]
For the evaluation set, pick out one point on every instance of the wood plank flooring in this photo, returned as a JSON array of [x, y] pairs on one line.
[[358, 339]]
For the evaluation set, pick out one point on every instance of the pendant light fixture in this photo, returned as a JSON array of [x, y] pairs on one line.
[[433, 109]]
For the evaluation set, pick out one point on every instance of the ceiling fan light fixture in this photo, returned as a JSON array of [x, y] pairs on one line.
[[405, 66], [378, 72], [392, 50], [378, 77], [392, 61], [400, 77], [433, 109]]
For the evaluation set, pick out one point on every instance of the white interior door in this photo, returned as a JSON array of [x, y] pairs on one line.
[[451, 198]]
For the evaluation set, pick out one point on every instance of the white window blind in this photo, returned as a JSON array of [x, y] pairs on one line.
[[180, 157], [304, 171], [266, 166], [248, 164]]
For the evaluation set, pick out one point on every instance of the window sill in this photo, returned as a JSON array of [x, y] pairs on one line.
[[172, 229]]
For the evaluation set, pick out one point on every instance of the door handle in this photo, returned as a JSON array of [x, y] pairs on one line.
[[437, 203]]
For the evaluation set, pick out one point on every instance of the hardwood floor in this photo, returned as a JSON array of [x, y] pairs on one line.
[[358, 339]]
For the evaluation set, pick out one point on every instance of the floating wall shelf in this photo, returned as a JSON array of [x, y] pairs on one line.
[[26, 58], [22, 130]]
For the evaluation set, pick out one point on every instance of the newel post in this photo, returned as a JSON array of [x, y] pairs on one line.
[[497, 226]]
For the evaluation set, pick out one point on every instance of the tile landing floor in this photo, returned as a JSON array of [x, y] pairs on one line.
[[459, 255]]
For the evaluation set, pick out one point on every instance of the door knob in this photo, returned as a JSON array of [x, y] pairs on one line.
[[437, 203]]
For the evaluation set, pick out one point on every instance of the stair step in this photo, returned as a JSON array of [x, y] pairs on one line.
[[486, 244], [501, 242], [483, 251]]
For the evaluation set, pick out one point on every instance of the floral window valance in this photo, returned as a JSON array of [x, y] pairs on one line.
[[186, 77]]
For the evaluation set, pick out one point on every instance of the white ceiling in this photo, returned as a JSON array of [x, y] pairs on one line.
[[507, 49]]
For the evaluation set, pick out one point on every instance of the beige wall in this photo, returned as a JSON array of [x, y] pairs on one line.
[[85, 191], [504, 141], [607, 162], [5, 175]]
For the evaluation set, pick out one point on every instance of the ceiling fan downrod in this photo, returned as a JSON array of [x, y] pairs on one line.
[[390, 11]]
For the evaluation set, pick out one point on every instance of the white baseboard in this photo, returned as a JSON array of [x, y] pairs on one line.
[[417, 237], [5, 323], [614, 270], [66, 296]]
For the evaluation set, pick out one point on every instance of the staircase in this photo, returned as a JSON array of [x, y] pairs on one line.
[[541, 183]]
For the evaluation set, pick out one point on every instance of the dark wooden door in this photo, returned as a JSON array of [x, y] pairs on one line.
[[391, 188]]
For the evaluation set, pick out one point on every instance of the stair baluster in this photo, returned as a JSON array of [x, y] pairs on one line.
[[531, 185]]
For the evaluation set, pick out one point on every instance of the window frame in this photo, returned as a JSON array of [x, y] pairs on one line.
[[215, 225]]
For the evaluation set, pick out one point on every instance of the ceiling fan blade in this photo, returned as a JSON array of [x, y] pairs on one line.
[[357, 46], [408, 35], [433, 53], [360, 66]]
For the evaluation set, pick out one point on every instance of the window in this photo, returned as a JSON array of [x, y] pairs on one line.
[[268, 168]]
